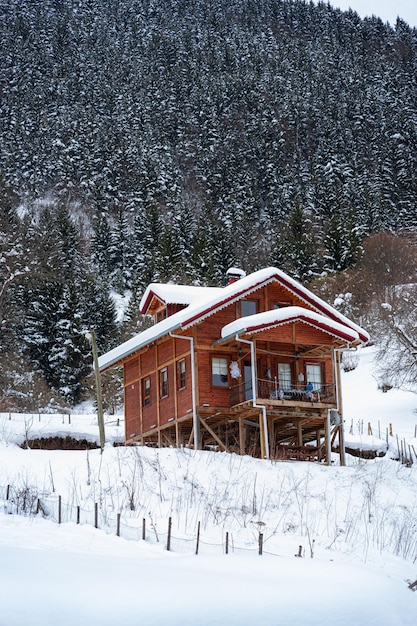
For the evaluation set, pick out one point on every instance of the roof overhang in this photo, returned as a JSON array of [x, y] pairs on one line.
[[268, 320]]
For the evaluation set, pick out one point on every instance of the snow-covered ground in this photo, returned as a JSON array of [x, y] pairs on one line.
[[356, 526]]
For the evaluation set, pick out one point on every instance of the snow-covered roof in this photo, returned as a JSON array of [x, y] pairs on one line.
[[270, 319], [175, 294], [211, 300]]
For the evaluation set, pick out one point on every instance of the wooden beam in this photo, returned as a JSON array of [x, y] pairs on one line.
[[213, 434]]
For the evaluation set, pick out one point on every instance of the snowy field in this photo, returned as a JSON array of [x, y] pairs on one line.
[[356, 526]]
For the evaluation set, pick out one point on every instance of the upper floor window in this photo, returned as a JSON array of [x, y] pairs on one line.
[[163, 382], [146, 391], [284, 375], [161, 315], [181, 374], [248, 307], [219, 374], [314, 375]]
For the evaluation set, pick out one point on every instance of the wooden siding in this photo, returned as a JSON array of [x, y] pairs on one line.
[[273, 346], [131, 370], [132, 410]]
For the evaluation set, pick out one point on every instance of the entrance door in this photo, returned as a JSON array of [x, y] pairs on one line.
[[247, 377]]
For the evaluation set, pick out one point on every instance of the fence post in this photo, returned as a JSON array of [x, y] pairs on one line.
[[227, 542], [78, 514], [7, 492], [143, 529], [118, 525], [96, 515], [59, 509], [198, 538], [169, 533], [261, 542]]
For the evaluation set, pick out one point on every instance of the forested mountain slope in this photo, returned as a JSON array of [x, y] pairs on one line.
[[176, 138]]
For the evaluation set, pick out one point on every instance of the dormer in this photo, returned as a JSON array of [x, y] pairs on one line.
[[163, 300]]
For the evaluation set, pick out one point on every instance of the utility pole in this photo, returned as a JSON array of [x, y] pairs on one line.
[[91, 336]]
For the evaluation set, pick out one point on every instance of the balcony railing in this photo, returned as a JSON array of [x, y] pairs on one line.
[[271, 390]]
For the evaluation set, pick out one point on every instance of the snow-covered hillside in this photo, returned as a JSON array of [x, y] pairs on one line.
[[354, 527]]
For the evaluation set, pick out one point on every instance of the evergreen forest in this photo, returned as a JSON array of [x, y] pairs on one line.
[[168, 140]]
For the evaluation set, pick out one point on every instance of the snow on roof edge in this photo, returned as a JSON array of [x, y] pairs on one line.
[[199, 310], [255, 323]]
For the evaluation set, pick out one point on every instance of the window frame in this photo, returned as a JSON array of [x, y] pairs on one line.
[[163, 383], [317, 385], [249, 301], [146, 391], [182, 374], [221, 385]]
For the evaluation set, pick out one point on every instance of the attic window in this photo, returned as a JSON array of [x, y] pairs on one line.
[[248, 307], [161, 315]]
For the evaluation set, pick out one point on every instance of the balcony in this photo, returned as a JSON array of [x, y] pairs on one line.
[[286, 393]]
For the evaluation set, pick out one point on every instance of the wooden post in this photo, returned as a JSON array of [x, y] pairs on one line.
[[227, 543], [7, 492], [262, 435], [198, 538], [342, 453], [169, 534], [369, 428], [96, 515], [78, 514], [241, 436], [59, 509], [327, 443], [118, 525], [299, 434], [261, 543], [143, 529], [390, 430]]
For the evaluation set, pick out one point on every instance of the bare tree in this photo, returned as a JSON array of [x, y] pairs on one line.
[[397, 338]]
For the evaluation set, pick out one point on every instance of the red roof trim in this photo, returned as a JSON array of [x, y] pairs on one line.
[[307, 320], [226, 301], [148, 301]]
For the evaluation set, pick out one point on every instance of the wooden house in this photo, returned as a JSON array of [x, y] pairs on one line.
[[251, 368]]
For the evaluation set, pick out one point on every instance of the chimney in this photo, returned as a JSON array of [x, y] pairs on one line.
[[233, 274]]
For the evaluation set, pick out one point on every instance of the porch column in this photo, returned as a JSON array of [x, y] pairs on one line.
[[241, 436], [327, 442], [341, 433], [262, 435]]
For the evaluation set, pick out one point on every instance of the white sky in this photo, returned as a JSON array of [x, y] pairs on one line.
[[387, 10]]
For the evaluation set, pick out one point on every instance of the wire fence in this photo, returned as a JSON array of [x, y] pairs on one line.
[[26, 501]]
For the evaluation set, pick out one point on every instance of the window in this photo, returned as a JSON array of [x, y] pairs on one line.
[[313, 372], [163, 382], [284, 375], [146, 391], [161, 315], [181, 374], [248, 307], [219, 377]]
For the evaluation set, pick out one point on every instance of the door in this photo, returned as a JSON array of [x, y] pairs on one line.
[[247, 378]]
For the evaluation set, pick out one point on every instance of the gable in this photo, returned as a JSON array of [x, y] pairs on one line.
[[269, 283]]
